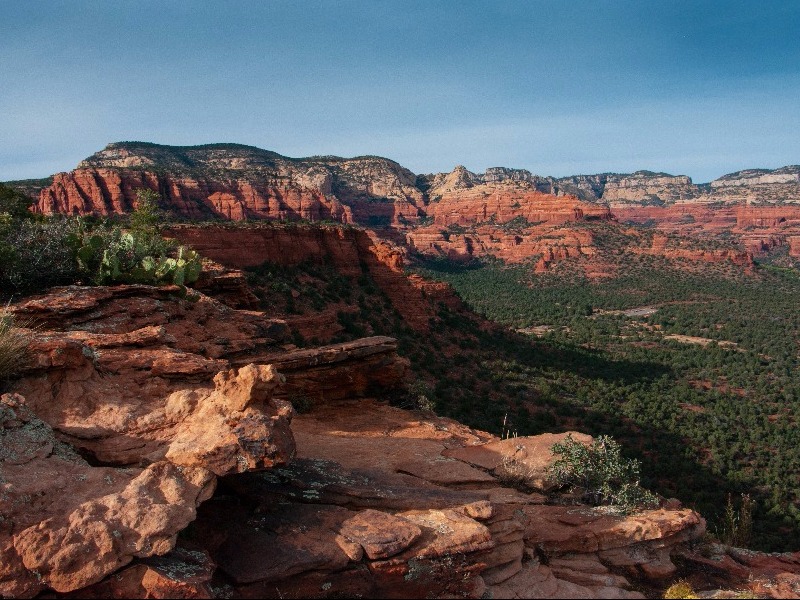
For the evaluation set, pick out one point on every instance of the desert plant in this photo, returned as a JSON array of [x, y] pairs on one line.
[[600, 474], [141, 255]]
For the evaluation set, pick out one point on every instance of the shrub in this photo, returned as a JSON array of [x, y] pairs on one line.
[[421, 397], [600, 473], [37, 255], [14, 203], [146, 216]]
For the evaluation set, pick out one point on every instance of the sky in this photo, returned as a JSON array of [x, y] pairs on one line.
[[694, 87]]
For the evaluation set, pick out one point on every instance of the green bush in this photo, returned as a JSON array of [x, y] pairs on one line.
[[36, 255], [600, 474], [146, 216]]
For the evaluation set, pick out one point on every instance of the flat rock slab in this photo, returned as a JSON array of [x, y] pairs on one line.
[[380, 534], [445, 471], [449, 531], [326, 482], [581, 529]]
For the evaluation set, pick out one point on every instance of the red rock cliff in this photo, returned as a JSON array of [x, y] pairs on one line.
[[351, 251]]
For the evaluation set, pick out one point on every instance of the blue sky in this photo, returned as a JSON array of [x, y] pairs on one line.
[[692, 87]]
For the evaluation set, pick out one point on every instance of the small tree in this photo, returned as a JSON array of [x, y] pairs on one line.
[[600, 473], [14, 203], [146, 216]]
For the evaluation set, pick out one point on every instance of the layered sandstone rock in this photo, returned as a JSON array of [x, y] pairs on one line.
[[66, 524], [236, 182], [159, 392], [726, 568], [507, 213], [185, 387], [379, 503]]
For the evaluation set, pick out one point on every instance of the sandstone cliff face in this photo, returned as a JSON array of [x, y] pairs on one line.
[[759, 186], [504, 218], [350, 251], [642, 188], [510, 213], [236, 182]]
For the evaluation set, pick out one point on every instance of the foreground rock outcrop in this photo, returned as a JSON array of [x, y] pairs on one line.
[[150, 449], [385, 509], [66, 524], [134, 401]]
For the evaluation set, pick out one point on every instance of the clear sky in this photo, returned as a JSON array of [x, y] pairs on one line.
[[692, 87]]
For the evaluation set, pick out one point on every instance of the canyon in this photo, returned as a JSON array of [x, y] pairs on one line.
[[176, 442]]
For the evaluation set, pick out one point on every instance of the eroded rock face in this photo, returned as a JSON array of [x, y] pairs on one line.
[[194, 387], [125, 393], [183, 573], [348, 250], [160, 392], [507, 213], [66, 524]]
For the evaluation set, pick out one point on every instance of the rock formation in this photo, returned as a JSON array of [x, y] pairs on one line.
[[350, 251], [134, 401], [235, 182], [150, 450], [511, 214]]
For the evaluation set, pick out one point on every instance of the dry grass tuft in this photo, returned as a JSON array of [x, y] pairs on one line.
[[513, 472], [14, 342], [680, 589]]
